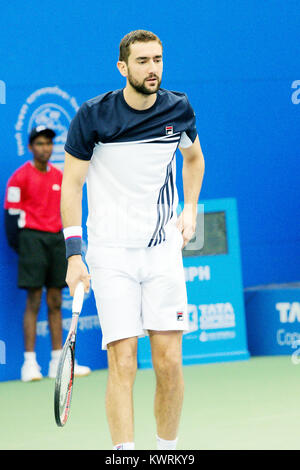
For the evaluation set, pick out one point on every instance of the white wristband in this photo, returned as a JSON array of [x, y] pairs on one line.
[[74, 231]]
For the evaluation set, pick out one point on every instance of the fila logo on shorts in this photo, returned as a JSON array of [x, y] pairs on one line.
[[179, 316], [169, 130]]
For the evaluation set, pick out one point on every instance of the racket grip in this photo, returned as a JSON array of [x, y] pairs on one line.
[[78, 298]]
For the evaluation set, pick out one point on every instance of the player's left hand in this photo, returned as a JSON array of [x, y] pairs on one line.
[[186, 223]]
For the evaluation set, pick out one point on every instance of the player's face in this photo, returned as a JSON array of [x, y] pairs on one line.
[[41, 148], [144, 68]]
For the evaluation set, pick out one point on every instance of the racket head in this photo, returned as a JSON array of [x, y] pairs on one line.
[[64, 384]]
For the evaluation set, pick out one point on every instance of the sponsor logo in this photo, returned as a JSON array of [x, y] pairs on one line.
[[13, 194], [169, 130], [179, 316], [216, 316], [193, 318], [50, 107], [288, 312], [216, 335], [220, 316], [287, 338], [2, 92], [56, 187], [199, 273]]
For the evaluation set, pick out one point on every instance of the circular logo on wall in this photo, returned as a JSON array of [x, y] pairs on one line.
[[50, 107]]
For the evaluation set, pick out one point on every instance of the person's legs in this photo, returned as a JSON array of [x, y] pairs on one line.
[[164, 314], [33, 303], [30, 369], [167, 362], [122, 366], [54, 301]]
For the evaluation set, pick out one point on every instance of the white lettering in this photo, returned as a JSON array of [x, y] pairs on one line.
[[2, 352], [294, 312], [2, 92], [295, 95], [283, 308], [202, 273], [286, 338], [288, 312], [215, 316], [118, 460]]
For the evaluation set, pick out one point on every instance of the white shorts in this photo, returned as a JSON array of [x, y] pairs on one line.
[[139, 289]]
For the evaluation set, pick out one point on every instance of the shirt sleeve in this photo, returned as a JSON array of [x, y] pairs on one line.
[[189, 135], [12, 228], [13, 209], [13, 195], [81, 136]]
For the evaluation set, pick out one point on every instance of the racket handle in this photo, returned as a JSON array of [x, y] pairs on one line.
[[78, 298]]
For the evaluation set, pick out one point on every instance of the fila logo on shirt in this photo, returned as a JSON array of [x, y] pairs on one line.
[[56, 187], [169, 130]]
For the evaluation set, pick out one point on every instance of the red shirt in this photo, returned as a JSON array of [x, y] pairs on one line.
[[37, 196]]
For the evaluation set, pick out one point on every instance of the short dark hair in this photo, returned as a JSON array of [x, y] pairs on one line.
[[140, 35]]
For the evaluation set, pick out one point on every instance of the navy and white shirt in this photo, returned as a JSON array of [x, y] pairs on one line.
[[131, 181]]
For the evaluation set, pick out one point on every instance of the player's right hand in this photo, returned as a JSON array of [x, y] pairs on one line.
[[76, 272]]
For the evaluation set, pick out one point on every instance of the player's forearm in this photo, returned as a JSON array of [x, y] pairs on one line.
[[192, 176], [75, 172], [71, 205]]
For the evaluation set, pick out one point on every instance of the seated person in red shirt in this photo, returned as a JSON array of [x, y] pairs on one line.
[[34, 229]]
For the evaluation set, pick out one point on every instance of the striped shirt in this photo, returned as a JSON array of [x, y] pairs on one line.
[[131, 181]]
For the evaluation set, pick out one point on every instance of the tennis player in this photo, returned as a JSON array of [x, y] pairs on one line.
[[124, 142]]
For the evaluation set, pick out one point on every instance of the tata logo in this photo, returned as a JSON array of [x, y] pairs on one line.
[[2, 92], [211, 316], [288, 312]]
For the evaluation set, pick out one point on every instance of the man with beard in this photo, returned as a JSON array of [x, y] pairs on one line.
[[124, 142]]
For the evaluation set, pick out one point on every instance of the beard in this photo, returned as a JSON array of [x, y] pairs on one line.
[[141, 87]]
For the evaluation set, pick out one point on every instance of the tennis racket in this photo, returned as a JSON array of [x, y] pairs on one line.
[[65, 372]]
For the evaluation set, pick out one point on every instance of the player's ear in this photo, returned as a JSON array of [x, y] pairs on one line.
[[122, 66]]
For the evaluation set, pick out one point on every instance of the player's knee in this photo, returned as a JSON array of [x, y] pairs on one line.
[[168, 364], [34, 300], [123, 366], [54, 301]]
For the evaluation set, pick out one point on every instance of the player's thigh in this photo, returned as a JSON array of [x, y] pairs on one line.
[[118, 300], [33, 259], [164, 297]]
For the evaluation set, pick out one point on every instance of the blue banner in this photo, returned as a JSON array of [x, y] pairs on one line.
[[215, 292], [273, 319]]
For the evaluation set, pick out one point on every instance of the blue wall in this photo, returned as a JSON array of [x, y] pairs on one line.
[[237, 60]]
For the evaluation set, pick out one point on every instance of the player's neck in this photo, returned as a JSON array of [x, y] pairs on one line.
[[41, 166], [137, 100]]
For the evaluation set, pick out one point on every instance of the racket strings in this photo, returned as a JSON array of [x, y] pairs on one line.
[[66, 383]]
